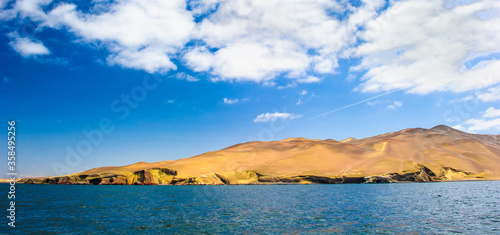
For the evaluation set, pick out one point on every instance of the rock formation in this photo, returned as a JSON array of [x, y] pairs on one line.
[[411, 155]]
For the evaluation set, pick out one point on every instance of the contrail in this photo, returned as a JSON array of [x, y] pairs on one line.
[[350, 105]]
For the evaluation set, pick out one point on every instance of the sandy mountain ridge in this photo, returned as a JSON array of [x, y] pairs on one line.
[[416, 154]]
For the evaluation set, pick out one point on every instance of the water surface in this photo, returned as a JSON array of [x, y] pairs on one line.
[[448, 207]]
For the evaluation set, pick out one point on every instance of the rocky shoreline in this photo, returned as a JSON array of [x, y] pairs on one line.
[[164, 176], [410, 155]]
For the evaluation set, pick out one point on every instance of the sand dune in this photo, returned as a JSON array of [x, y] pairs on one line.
[[416, 154]]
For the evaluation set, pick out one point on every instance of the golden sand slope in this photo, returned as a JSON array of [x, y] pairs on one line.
[[448, 154]]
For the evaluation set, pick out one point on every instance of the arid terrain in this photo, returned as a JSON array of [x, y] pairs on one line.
[[410, 155]]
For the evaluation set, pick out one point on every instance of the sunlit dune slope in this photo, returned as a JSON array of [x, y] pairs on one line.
[[439, 149]]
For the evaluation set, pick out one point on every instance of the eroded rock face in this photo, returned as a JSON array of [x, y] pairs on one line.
[[207, 179], [378, 179], [210, 179], [148, 176], [240, 177], [420, 174], [156, 176], [410, 155]]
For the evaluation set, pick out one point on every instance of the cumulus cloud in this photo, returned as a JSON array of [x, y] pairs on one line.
[[27, 47], [423, 46], [139, 34], [148, 59], [268, 117], [230, 101], [257, 40], [250, 61], [199, 59], [142, 35]]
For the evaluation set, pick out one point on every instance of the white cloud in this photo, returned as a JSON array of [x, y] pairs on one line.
[[230, 101], [200, 6], [187, 77], [490, 121], [139, 34], [309, 79], [269, 83], [289, 85], [32, 8], [250, 61], [459, 127], [27, 47], [491, 113], [3, 3], [190, 78], [422, 46], [6, 14], [395, 105], [149, 59], [388, 104], [417, 45], [268, 117], [373, 103], [491, 94], [464, 99], [483, 124], [257, 40], [304, 97], [199, 59]]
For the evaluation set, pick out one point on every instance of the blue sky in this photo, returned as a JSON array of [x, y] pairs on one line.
[[209, 74]]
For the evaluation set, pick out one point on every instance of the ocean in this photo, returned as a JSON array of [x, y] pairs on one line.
[[420, 208]]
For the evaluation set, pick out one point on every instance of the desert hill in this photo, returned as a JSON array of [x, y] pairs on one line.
[[416, 154]]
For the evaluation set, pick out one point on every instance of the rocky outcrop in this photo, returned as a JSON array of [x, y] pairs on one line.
[[155, 176], [165, 176], [448, 173], [420, 174], [208, 179], [241, 177], [151, 176], [410, 155]]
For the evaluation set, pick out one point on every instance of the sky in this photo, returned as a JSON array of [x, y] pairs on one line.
[[110, 83]]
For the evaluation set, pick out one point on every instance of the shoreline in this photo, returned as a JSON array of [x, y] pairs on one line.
[[264, 183]]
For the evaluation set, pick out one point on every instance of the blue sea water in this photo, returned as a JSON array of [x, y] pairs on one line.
[[419, 208]]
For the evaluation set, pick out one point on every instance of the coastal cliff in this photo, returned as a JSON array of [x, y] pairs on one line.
[[411, 155]]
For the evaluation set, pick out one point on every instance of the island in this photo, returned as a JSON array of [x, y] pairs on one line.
[[410, 155]]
